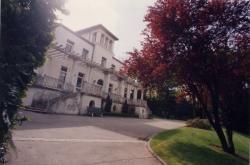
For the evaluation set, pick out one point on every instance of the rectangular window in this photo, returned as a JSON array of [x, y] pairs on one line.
[[94, 37], [125, 92], [106, 42], [62, 77], [132, 94], [85, 53], [103, 62], [102, 39], [110, 88], [113, 67], [139, 94], [79, 81], [69, 46], [110, 45]]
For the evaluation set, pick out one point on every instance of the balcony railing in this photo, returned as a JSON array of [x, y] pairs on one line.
[[53, 83], [87, 88], [91, 89]]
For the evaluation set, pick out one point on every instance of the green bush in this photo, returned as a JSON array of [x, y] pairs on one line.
[[199, 123]]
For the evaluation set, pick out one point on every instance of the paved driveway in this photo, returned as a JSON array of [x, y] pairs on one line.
[[77, 140]]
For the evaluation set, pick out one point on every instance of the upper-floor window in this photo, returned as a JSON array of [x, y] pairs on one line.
[[110, 45], [94, 37], [79, 81], [125, 92], [62, 77], [110, 88], [85, 53], [103, 62], [106, 42], [69, 46], [113, 66], [100, 82], [102, 39]]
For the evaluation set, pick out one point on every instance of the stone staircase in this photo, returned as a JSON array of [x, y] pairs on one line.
[[64, 96]]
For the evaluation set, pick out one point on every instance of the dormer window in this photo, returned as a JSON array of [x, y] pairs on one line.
[[69, 46], [85, 53], [94, 37], [102, 39]]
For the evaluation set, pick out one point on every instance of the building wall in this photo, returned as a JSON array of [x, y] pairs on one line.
[[62, 35], [52, 68], [86, 100]]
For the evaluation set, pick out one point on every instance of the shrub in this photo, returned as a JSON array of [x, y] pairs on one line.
[[199, 123]]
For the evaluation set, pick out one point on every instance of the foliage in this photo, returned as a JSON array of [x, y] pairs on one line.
[[27, 27], [203, 46], [199, 123], [191, 146], [165, 105]]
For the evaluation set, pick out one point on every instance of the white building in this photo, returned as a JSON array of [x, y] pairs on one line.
[[80, 68]]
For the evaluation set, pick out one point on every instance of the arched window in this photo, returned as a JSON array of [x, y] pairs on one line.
[[92, 103], [100, 82], [114, 108]]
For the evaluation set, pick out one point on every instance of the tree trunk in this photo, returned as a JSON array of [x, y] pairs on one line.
[[218, 130], [222, 138], [217, 120], [231, 148]]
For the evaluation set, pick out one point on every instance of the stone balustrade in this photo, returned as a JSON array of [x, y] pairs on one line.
[[53, 83], [87, 88]]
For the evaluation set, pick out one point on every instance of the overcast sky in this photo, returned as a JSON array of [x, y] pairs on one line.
[[124, 18]]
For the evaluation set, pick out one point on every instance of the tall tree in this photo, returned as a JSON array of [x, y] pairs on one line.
[[26, 32], [204, 45]]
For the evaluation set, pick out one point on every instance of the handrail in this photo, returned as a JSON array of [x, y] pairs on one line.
[[51, 82]]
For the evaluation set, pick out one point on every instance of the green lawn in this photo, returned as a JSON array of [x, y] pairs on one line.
[[191, 146]]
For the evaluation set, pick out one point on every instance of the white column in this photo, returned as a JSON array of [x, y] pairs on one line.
[[128, 91], [142, 93], [121, 88], [135, 93]]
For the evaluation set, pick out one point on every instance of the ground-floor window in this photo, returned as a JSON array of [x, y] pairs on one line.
[[139, 94], [132, 94]]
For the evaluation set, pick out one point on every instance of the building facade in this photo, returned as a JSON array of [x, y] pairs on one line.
[[81, 70]]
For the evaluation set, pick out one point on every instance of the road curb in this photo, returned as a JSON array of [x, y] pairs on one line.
[[152, 152]]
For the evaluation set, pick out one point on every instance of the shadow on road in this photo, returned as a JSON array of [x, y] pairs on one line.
[[133, 127]]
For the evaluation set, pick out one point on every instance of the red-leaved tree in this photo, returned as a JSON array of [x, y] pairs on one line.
[[203, 45]]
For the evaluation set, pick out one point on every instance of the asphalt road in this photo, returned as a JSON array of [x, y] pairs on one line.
[[79, 140]]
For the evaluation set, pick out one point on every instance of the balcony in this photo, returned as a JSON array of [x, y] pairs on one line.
[[91, 89], [96, 90], [53, 83], [87, 89]]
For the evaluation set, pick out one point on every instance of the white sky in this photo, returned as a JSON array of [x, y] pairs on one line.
[[124, 18]]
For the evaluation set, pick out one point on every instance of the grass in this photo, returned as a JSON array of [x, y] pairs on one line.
[[192, 146]]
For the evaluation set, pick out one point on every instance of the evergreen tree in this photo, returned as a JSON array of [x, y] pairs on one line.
[[26, 32]]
